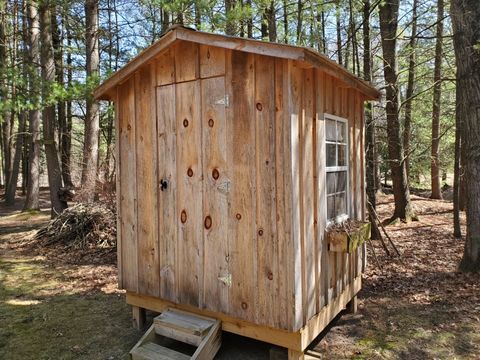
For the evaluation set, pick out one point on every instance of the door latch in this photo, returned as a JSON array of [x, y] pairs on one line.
[[163, 184]]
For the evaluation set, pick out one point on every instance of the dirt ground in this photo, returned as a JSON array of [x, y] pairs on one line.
[[65, 305]]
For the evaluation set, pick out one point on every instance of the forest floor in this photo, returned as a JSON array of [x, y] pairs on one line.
[[65, 305]]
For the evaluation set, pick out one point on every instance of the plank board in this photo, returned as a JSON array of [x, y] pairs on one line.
[[128, 191], [186, 61], [216, 186], [189, 193], [241, 161], [118, 190], [147, 226], [167, 171], [307, 176], [266, 231], [293, 187], [165, 67], [320, 196], [212, 61]]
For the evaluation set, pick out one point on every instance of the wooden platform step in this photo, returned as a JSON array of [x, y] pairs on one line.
[[199, 331]]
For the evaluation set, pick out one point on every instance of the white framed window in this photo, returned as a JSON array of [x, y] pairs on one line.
[[336, 168]]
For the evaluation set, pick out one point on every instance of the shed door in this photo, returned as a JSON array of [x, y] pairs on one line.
[[194, 184]]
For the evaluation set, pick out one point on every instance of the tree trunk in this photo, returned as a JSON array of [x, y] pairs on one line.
[[437, 93], [230, 23], [48, 77], [388, 33], [33, 176], [370, 146], [285, 21], [457, 230], [90, 150], [339, 32], [11, 189], [407, 130], [271, 21], [4, 122], [466, 22], [299, 21]]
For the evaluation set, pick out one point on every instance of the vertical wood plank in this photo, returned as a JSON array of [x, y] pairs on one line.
[[358, 154], [212, 61], [329, 94], [321, 211], [307, 177], [294, 184], [267, 273], [241, 160], [128, 191], [118, 187], [146, 143], [189, 193], [216, 184], [165, 67], [283, 232], [186, 61], [167, 168]]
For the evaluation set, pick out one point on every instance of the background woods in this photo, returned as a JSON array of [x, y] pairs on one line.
[[53, 53]]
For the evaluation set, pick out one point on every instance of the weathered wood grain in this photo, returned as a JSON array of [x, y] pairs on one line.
[[297, 269], [307, 204], [165, 67], [189, 193], [266, 231], [186, 61], [216, 187], [212, 61], [168, 214], [146, 143], [283, 238], [128, 191], [241, 160]]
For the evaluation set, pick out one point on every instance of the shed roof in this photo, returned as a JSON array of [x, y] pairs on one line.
[[179, 33]]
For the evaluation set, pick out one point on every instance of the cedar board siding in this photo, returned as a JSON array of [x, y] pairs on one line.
[[240, 227]]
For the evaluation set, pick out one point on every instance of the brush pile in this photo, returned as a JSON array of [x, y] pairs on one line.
[[81, 226]]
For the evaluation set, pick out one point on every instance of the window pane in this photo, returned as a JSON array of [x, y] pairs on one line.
[[330, 129], [340, 204], [342, 155], [331, 207], [341, 181], [331, 180], [341, 131], [331, 155]]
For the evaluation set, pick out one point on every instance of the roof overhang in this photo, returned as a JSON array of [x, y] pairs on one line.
[[177, 33]]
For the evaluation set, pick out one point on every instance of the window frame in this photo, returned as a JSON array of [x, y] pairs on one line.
[[333, 169]]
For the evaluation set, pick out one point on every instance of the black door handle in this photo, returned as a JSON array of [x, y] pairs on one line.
[[163, 184]]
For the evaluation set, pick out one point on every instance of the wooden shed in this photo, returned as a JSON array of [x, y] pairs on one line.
[[232, 157]]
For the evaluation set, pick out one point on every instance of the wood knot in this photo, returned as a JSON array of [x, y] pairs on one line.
[[259, 106], [210, 122], [185, 122], [270, 275], [238, 216], [244, 306], [129, 127], [208, 222], [183, 217], [190, 172], [215, 174], [260, 232], [208, 54]]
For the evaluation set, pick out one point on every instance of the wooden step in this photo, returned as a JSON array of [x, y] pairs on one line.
[[183, 326], [202, 332], [152, 351]]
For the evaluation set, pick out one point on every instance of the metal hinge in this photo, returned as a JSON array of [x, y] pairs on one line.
[[224, 101]]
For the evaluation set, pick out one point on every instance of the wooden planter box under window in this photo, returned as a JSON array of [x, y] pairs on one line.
[[348, 242]]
